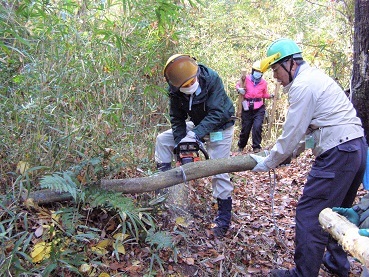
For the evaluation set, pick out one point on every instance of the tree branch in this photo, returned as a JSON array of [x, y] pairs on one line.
[[346, 233], [160, 180]]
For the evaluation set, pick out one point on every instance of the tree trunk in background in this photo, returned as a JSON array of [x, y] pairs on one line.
[[240, 97], [274, 106], [360, 72]]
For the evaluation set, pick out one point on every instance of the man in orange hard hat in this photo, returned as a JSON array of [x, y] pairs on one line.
[[200, 111]]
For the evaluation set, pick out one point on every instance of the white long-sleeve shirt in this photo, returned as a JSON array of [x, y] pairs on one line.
[[317, 106]]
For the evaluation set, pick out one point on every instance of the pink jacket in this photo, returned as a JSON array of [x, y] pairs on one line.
[[255, 91]]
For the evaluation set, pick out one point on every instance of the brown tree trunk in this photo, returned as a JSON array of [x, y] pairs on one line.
[[240, 97], [360, 71], [274, 106], [346, 234], [186, 172], [181, 174]]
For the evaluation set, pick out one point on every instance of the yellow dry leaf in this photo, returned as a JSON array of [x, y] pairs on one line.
[[38, 248], [104, 243], [22, 167], [120, 236], [120, 249], [40, 251], [104, 274], [181, 221], [38, 258], [84, 268], [99, 251]]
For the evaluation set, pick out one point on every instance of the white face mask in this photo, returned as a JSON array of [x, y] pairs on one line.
[[191, 89], [257, 75]]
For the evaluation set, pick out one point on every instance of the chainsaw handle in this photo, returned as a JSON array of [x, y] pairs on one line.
[[203, 150], [198, 146]]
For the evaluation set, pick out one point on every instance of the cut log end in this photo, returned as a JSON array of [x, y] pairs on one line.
[[346, 234]]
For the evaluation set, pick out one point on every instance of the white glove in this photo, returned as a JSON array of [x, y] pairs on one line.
[[260, 166], [190, 137], [241, 91]]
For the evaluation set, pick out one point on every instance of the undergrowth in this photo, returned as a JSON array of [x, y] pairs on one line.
[[93, 230]]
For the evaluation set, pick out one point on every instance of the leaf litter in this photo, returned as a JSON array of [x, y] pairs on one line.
[[261, 235]]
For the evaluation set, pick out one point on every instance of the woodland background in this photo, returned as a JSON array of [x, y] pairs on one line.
[[83, 98]]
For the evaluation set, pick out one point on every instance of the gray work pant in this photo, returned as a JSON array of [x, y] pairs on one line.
[[222, 186]]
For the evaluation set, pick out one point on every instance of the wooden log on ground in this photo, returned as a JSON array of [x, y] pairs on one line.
[[47, 196], [346, 233], [181, 174], [186, 172]]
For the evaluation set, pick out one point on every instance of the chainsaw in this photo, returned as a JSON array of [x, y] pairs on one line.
[[188, 152]]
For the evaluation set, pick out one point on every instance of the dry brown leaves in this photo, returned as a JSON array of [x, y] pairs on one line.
[[261, 236]]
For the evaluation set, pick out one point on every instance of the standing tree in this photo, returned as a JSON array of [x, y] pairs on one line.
[[360, 72]]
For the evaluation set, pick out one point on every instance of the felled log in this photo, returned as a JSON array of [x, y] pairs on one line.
[[186, 172], [179, 175], [46, 196], [346, 233]]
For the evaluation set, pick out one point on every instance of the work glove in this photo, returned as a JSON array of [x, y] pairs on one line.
[[349, 213], [190, 137], [364, 232], [241, 91], [260, 166]]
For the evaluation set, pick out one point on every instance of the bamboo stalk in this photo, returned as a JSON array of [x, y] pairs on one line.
[[274, 106]]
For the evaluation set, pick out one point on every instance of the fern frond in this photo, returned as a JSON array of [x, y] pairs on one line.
[[61, 182], [114, 200], [133, 218], [159, 240]]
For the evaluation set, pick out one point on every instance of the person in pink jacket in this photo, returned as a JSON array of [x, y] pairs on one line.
[[254, 90]]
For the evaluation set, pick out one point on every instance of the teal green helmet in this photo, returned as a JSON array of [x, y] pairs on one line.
[[279, 50]]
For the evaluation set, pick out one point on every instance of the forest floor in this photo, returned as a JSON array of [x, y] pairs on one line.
[[261, 236]]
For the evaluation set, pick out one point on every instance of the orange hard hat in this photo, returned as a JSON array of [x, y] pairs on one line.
[[180, 69]]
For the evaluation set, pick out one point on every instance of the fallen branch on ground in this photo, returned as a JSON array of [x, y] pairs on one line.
[[186, 172], [346, 233]]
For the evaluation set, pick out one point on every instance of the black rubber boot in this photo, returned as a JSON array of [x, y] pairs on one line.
[[163, 167], [223, 219]]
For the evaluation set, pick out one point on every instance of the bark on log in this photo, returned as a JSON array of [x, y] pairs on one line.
[[46, 196], [160, 180], [181, 174], [346, 233]]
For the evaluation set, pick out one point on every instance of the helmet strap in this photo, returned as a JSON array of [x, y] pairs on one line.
[[288, 71]]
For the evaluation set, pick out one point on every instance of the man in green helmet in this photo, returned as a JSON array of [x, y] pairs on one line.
[[320, 117]]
